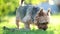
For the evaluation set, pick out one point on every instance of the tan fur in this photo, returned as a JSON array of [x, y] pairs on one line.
[[42, 19]]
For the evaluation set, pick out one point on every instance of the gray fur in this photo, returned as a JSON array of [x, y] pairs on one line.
[[26, 13]]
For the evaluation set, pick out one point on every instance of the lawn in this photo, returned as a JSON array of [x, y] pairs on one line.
[[53, 27]]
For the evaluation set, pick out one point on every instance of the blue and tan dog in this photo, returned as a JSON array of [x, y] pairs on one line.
[[31, 14]]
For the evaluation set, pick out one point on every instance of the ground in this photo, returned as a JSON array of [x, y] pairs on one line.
[[53, 27]]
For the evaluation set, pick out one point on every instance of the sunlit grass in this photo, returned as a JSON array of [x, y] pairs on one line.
[[53, 26]]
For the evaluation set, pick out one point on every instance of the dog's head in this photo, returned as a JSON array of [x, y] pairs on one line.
[[42, 19]]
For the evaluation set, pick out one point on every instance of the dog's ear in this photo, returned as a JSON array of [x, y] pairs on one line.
[[41, 10], [48, 12]]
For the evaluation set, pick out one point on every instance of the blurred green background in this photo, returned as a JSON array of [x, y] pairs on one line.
[[8, 17], [8, 7]]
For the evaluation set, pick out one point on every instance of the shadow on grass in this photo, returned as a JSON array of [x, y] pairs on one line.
[[23, 31]]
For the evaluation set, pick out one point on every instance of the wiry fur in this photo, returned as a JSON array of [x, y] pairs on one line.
[[42, 19], [31, 14]]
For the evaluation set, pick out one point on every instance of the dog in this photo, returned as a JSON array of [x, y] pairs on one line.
[[31, 14]]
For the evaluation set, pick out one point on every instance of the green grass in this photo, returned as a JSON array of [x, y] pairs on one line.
[[53, 27]]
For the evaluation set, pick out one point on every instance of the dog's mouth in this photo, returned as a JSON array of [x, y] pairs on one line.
[[42, 25]]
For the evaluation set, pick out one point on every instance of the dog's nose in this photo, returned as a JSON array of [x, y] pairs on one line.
[[44, 28]]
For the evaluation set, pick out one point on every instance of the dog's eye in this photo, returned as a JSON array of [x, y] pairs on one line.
[[42, 23], [45, 23]]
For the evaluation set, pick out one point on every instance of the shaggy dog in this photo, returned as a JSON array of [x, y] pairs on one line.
[[31, 14]]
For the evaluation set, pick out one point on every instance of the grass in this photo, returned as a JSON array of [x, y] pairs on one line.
[[53, 27]]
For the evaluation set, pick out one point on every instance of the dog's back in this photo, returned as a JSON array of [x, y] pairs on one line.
[[26, 12]]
